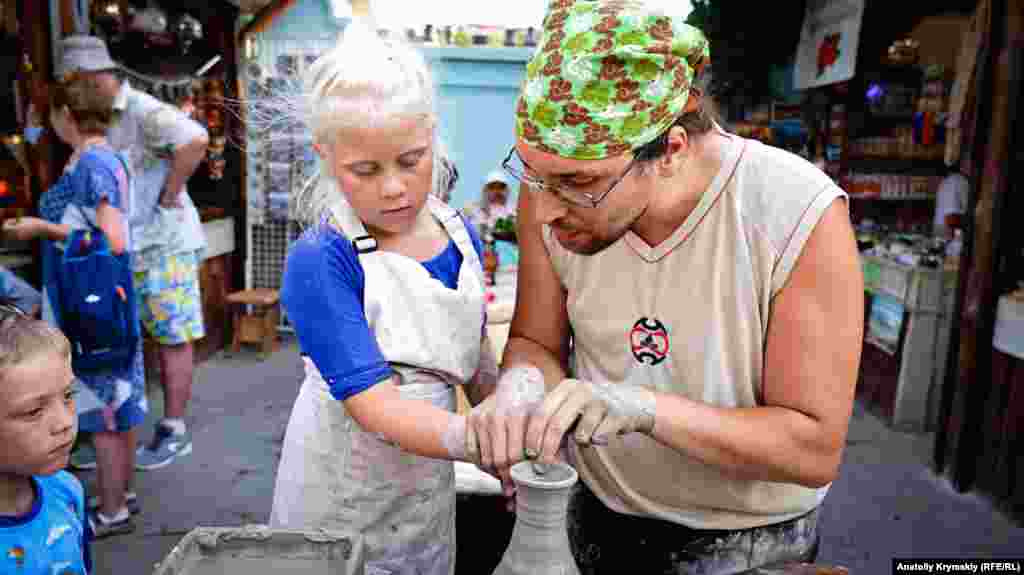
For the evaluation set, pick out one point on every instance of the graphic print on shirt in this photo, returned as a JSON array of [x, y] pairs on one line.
[[17, 555], [56, 533], [649, 341]]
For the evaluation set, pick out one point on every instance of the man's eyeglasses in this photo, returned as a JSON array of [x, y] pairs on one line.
[[517, 168]]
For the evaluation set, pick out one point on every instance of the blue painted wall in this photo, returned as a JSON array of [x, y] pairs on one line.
[[477, 97], [304, 20], [477, 94]]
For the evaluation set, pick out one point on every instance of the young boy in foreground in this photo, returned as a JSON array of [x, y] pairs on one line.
[[42, 507]]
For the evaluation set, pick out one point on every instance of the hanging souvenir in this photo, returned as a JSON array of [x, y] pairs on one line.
[[188, 30], [152, 23], [108, 19], [215, 157]]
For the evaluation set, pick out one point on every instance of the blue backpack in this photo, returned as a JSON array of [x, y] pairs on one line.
[[98, 312], [98, 308]]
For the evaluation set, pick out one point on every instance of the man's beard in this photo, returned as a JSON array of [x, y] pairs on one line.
[[597, 244]]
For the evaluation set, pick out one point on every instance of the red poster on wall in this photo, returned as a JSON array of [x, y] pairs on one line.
[[827, 53]]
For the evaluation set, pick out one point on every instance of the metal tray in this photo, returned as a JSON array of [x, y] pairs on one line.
[[259, 550]]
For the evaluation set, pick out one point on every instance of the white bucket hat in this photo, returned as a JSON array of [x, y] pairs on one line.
[[497, 177], [84, 54]]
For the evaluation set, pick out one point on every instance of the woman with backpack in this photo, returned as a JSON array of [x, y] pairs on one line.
[[83, 213]]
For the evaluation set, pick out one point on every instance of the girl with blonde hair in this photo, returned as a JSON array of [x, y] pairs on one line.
[[385, 291]]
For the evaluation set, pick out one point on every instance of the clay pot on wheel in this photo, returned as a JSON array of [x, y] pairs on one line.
[[540, 538]]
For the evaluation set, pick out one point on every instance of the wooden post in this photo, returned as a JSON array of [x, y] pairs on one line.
[[67, 19], [973, 381]]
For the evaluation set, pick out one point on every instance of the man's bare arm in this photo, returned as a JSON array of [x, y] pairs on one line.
[[186, 160], [539, 334], [813, 354]]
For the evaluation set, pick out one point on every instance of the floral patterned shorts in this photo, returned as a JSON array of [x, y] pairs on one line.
[[170, 307]]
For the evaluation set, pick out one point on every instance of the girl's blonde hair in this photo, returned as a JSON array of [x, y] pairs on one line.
[[364, 81]]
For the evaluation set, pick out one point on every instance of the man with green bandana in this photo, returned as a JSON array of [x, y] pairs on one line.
[[691, 300]]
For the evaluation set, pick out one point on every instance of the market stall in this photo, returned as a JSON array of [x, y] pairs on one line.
[[179, 52], [24, 168], [875, 108]]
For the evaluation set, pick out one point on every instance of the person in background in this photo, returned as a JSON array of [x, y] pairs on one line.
[[92, 194], [165, 147], [492, 207], [385, 291], [950, 198], [20, 293], [695, 306], [43, 526]]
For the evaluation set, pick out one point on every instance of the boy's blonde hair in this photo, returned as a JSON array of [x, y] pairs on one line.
[[23, 337]]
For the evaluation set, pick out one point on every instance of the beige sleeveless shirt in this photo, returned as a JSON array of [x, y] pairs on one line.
[[690, 316]]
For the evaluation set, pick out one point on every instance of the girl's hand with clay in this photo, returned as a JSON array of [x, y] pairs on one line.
[[497, 426]]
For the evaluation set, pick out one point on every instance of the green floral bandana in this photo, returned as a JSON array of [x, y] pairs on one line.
[[608, 77]]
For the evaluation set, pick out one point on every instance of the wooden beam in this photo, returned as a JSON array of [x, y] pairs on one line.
[[10, 16], [67, 18]]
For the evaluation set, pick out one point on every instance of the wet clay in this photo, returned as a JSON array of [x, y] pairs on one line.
[[540, 539], [258, 550]]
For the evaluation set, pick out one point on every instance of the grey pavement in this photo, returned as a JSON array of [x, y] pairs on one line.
[[238, 414], [887, 503]]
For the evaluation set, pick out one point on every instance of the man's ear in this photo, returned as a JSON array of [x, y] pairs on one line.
[[676, 151]]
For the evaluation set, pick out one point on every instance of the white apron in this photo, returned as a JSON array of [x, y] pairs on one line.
[[334, 475]]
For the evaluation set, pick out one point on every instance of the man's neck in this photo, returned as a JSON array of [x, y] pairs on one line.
[[16, 495], [678, 196]]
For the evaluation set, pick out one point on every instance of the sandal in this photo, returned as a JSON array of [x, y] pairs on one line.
[[131, 500], [105, 527]]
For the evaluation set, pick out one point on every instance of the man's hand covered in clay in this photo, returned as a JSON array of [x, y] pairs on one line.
[[599, 412], [497, 426]]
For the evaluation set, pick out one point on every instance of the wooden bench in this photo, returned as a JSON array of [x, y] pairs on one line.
[[256, 325]]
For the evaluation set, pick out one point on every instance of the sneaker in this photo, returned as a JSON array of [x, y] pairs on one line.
[[105, 528], [131, 500], [165, 447], [83, 458]]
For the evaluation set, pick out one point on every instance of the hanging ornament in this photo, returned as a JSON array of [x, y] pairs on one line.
[[152, 20], [188, 30], [108, 18], [215, 157]]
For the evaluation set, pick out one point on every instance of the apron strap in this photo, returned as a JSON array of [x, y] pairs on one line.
[[455, 225], [344, 218]]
